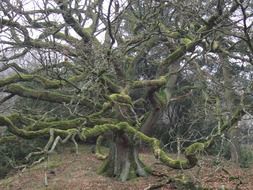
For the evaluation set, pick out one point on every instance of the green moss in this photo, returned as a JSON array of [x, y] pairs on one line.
[[161, 97], [113, 87], [176, 164], [121, 98], [184, 183], [105, 168], [179, 52], [99, 153], [51, 165], [62, 124], [194, 148], [186, 41], [48, 96], [97, 130], [8, 139], [150, 83], [169, 33], [88, 31], [132, 173]]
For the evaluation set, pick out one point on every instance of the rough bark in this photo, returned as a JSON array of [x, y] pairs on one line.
[[123, 161], [230, 106]]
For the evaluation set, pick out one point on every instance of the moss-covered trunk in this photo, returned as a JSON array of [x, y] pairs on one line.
[[123, 161]]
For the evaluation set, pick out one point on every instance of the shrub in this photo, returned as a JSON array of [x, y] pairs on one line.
[[246, 157], [13, 154]]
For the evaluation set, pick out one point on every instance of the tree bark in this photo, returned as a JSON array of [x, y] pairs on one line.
[[230, 106], [123, 160]]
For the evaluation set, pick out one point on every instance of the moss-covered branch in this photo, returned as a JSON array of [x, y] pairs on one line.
[[112, 86], [203, 31], [37, 122], [50, 45], [62, 124], [45, 82], [8, 139], [5, 121], [69, 19], [49, 96], [97, 130], [149, 83], [179, 52], [153, 142], [14, 66], [25, 77]]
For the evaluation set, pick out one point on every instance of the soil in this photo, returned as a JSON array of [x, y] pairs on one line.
[[65, 170]]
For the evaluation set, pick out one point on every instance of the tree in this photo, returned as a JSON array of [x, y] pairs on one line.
[[111, 69]]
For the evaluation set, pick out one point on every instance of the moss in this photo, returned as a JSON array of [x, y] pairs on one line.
[[149, 83], [88, 31], [32, 134], [98, 150], [179, 52], [176, 164], [112, 86], [169, 33], [62, 124], [15, 78], [194, 148], [104, 168], [161, 96], [132, 173], [97, 130], [184, 183], [49, 96], [8, 139], [121, 98], [50, 165], [106, 106], [101, 129], [186, 41]]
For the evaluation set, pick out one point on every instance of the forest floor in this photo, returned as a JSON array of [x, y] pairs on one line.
[[67, 171]]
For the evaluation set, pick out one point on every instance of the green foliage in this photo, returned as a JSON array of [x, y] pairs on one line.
[[246, 157], [13, 154], [162, 96], [222, 149]]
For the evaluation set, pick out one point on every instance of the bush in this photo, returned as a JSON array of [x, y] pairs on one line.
[[13, 154], [246, 157], [220, 148]]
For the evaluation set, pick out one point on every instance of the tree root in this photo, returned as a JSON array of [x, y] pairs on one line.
[[98, 151]]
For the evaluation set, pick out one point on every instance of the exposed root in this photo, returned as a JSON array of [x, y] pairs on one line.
[[98, 151]]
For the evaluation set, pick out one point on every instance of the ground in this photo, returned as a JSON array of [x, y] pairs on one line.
[[79, 172]]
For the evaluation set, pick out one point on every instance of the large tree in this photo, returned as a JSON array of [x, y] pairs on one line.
[[112, 68]]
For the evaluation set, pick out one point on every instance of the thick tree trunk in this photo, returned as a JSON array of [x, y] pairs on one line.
[[123, 161]]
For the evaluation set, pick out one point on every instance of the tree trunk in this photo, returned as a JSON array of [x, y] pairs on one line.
[[123, 161], [230, 107], [234, 145]]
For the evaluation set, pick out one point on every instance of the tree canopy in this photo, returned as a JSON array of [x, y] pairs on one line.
[[113, 69]]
